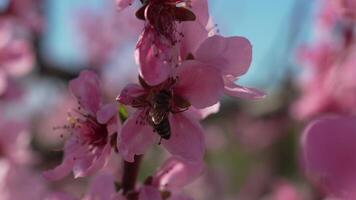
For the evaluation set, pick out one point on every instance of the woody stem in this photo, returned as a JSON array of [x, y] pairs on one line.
[[130, 174]]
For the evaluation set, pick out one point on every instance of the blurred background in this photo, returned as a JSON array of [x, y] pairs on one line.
[[252, 146]]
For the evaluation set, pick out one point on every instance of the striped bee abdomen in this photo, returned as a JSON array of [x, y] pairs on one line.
[[163, 129]]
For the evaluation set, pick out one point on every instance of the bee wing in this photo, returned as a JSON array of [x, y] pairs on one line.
[[157, 115]]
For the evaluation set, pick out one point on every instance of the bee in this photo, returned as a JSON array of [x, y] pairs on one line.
[[161, 103], [158, 114]]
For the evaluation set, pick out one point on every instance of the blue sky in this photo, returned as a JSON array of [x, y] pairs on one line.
[[266, 24]]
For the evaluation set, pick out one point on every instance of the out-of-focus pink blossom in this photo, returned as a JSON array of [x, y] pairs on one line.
[[27, 12], [14, 141], [330, 87], [121, 4], [102, 186], [328, 152], [59, 196], [286, 191], [49, 124], [18, 182], [93, 129], [182, 91], [16, 57], [104, 34], [259, 133], [171, 177]]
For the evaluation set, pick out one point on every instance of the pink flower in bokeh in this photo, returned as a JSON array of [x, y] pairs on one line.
[[330, 86], [328, 154], [27, 12], [284, 190], [257, 134], [171, 178], [104, 34], [93, 130], [14, 141], [16, 57], [177, 95], [101, 187], [19, 182]]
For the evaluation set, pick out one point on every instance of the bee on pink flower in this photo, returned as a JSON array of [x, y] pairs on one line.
[[165, 109], [93, 127]]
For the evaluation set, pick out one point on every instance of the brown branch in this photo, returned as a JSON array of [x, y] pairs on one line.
[[130, 174]]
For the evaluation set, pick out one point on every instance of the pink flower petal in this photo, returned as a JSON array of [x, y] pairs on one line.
[[90, 163], [71, 150], [153, 56], [195, 31], [135, 138], [59, 196], [194, 34], [86, 89], [238, 91], [187, 139], [232, 55], [201, 10], [328, 147], [3, 82], [106, 113], [129, 93], [199, 83], [180, 197], [149, 193], [175, 173], [122, 4], [201, 114], [17, 58], [102, 186]]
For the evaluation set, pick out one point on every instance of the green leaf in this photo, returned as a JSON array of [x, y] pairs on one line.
[[123, 114]]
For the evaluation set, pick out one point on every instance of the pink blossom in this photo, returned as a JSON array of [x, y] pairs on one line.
[[153, 54], [102, 186], [329, 87], [93, 129], [232, 57], [328, 152], [157, 51], [174, 174], [286, 191], [186, 139], [121, 4], [18, 182], [14, 141], [16, 58], [104, 34], [27, 12], [257, 134]]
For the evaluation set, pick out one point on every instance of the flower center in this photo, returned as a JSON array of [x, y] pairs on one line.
[[89, 131], [161, 17]]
